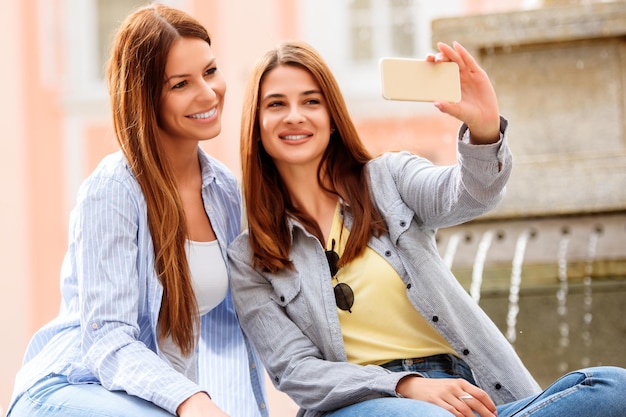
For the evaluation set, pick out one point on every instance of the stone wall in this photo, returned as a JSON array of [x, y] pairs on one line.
[[560, 75]]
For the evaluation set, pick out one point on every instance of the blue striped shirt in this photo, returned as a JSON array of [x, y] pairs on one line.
[[106, 330]]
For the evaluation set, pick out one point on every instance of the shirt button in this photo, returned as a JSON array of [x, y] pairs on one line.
[[94, 326], [262, 406], [253, 365]]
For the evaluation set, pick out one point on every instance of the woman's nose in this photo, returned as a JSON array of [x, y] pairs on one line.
[[294, 115], [208, 91]]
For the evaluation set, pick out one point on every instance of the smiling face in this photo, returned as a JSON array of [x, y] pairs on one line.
[[193, 93], [294, 118]]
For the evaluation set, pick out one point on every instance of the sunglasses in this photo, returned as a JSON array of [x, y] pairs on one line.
[[344, 296]]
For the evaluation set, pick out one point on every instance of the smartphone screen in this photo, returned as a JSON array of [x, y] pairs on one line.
[[418, 80]]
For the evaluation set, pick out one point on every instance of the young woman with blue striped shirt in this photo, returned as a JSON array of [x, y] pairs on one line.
[[147, 325]]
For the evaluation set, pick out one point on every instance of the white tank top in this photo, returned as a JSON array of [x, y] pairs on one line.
[[209, 279], [208, 274]]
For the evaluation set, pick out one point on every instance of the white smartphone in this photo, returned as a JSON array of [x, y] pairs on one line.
[[418, 80]]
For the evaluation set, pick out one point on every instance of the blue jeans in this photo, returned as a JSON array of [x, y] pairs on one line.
[[599, 391], [54, 396]]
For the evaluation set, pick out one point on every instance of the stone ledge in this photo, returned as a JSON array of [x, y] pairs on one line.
[[546, 235], [534, 26], [565, 186]]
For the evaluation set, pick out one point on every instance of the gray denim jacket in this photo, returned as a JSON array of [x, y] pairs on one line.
[[291, 316]]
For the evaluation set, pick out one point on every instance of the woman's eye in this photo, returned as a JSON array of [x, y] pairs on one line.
[[275, 104], [179, 85], [210, 71], [313, 101]]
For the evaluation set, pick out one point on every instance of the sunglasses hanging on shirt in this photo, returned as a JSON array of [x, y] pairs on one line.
[[344, 296]]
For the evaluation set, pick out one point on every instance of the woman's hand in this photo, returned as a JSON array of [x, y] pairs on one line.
[[199, 405], [450, 394], [478, 107]]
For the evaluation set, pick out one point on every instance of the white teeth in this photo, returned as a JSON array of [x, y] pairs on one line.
[[204, 115], [295, 137]]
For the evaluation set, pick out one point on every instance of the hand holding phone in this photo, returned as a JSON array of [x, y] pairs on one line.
[[419, 80]]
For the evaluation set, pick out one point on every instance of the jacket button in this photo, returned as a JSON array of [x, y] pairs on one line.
[[388, 253], [402, 223], [435, 319], [498, 386], [408, 286], [282, 298], [465, 352]]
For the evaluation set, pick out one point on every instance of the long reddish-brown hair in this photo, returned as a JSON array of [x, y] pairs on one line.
[[135, 75], [268, 203]]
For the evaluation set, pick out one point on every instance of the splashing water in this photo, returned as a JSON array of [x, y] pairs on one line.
[[453, 243], [587, 293], [516, 279], [561, 296], [479, 264]]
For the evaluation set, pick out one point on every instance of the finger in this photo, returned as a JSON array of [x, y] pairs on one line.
[[452, 406], [459, 407], [451, 109], [440, 57], [448, 53], [465, 56], [481, 397], [479, 401], [474, 406], [465, 396]]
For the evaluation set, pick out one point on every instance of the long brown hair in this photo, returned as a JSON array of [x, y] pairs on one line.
[[135, 75], [267, 201]]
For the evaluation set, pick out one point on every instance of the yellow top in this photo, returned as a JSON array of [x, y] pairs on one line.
[[383, 325]]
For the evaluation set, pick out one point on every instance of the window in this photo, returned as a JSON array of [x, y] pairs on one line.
[[394, 32], [109, 15], [92, 24], [361, 31], [353, 35]]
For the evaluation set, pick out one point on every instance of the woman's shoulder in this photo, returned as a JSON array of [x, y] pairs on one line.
[[391, 157], [240, 252], [113, 165], [241, 244], [112, 172]]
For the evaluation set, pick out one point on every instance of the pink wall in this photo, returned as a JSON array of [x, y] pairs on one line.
[[15, 314]]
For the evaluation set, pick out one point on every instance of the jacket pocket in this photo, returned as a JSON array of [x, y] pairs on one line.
[[288, 294]]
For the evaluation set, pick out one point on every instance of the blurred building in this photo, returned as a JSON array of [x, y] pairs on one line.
[[55, 120]]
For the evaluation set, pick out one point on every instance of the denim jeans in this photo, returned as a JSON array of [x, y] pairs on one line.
[[54, 396], [599, 391]]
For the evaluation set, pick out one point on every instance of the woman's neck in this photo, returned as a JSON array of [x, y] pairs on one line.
[[308, 196], [184, 163]]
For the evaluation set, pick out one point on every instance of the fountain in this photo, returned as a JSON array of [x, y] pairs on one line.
[[549, 264]]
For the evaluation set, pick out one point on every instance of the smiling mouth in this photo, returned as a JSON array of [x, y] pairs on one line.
[[204, 115], [294, 137]]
